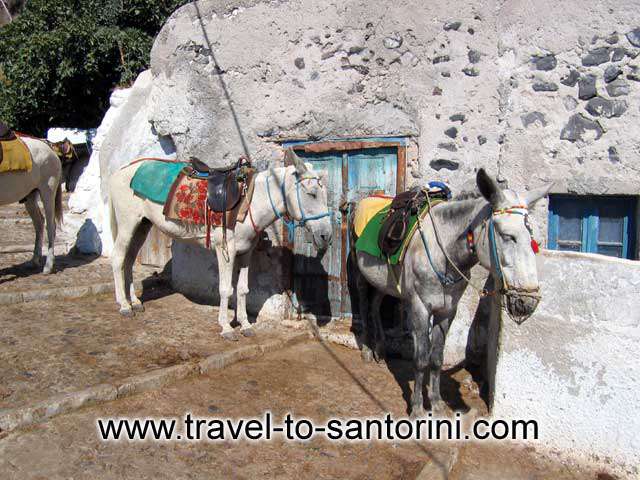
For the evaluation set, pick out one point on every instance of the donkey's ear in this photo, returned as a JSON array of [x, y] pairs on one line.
[[536, 194], [488, 187], [291, 157]]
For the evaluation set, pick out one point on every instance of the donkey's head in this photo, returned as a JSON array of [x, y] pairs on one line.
[[508, 249], [306, 195]]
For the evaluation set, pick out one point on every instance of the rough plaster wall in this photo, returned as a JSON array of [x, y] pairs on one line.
[[573, 365], [132, 135], [125, 134], [539, 97], [87, 209]]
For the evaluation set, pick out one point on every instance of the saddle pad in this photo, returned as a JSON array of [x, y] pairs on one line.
[[367, 208], [368, 241], [154, 179], [186, 202], [14, 156]]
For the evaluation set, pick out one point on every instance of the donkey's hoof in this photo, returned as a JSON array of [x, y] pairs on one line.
[[367, 355], [230, 336], [418, 412], [127, 312], [35, 263], [439, 408], [47, 270], [137, 307], [248, 332], [379, 353]]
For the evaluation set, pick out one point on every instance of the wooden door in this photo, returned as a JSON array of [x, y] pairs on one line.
[[355, 170], [316, 283]]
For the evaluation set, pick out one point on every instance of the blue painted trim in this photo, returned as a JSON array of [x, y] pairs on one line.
[[590, 224], [552, 229]]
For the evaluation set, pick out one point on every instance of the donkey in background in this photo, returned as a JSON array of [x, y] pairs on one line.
[[497, 224], [295, 191], [44, 181]]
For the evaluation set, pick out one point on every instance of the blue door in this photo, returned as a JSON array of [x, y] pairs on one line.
[[320, 286]]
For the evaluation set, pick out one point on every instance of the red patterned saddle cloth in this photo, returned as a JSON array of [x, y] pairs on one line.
[[187, 202]]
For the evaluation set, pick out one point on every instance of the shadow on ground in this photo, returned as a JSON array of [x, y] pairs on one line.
[[27, 269]]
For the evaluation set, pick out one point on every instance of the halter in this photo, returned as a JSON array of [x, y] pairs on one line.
[[514, 210], [493, 251], [289, 222]]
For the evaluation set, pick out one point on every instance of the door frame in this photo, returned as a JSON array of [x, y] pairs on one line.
[[399, 143]]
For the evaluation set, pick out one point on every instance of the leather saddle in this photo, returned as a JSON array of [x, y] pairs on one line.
[[224, 186], [395, 226]]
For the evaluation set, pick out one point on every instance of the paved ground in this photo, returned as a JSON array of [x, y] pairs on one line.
[[81, 271], [47, 348], [308, 380], [18, 230]]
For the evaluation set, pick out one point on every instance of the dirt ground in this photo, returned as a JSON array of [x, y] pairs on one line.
[[311, 380]]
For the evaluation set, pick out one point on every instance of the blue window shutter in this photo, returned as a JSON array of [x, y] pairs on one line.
[[552, 236], [590, 227], [592, 210]]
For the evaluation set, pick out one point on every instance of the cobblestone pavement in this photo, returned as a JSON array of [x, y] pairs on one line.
[[309, 380], [17, 228], [53, 347], [80, 271]]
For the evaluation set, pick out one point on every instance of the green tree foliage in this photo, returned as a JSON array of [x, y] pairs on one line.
[[60, 59]]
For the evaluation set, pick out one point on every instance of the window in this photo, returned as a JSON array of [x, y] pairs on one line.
[[595, 224]]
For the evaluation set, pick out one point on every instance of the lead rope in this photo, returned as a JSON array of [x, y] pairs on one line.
[[481, 291]]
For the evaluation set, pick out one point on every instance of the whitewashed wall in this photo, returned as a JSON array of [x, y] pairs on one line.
[[574, 365]]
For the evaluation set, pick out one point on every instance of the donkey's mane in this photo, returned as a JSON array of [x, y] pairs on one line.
[[464, 204], [472, 194]]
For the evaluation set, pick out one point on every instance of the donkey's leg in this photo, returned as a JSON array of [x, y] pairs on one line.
[[363, 306], [31, 205], [379, 337], [225, 274], [242, 289], [137, 241], [48, 197], [420, 317], [441, 325], [126, 232]]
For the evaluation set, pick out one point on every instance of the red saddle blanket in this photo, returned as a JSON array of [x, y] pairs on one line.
[[187, 202]]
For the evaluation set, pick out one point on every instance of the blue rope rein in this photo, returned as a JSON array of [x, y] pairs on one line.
[[493, 247], [442, 277]]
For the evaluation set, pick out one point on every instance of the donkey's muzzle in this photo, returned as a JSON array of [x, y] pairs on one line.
[[521, 305]]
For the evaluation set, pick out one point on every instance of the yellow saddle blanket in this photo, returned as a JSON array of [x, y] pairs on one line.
[[367, 209], [14, 156]]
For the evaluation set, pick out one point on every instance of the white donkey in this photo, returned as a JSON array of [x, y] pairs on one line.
[[294, 193], [43, 180], [493, 231]]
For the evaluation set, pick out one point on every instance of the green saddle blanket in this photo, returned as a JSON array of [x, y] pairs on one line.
[[368, 241], [154, 179]]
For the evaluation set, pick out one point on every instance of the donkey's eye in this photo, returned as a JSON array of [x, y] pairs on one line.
[[508, 238]]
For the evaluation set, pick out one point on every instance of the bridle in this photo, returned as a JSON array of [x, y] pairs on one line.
[[505, 288], [291, 223]]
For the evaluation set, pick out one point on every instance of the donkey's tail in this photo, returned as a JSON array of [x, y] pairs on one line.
[[58, 205]]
